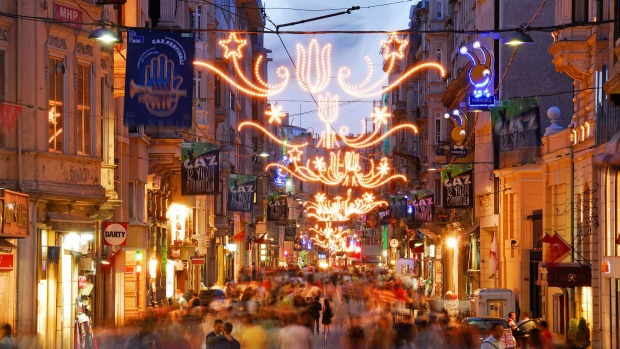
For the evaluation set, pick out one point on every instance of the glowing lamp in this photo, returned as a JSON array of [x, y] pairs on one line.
[[517, 38]]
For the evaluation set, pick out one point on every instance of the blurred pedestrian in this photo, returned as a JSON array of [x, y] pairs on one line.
[[546, 334], [294, 335], [215, 339], [383, 335], [493, 341], [328, 314], [6, 337], [232, 343], [315, 308], [355, 335]]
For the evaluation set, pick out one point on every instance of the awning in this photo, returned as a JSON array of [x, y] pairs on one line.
[[5, 244], [240, 236], [473, 229], [70, 222]]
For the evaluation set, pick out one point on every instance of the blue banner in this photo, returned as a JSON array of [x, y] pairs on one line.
[[159, 78]]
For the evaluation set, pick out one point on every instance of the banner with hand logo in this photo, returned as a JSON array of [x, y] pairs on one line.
[[159, 78]]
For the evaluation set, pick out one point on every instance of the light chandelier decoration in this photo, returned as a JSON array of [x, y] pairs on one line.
[[339, 161], [341, 209], [233, 51], [333, 239]]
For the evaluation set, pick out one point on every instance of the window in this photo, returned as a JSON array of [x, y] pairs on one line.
[[194, 20], [3, 130], [439, 7], [233, 100], [198, 90], [217, 91], [580, 10], [437, 130], [135, 204], [55, 92], [616, 16], [104, 117], [83, 110], [395, 96], [2, 75], [437, 194]]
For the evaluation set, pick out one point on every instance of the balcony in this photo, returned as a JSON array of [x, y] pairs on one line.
[[572, 49]]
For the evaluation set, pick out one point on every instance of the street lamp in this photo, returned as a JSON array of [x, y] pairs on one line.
[[516, 38], [104, 35]]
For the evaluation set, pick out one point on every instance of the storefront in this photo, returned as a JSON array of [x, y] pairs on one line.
[[65, 280], [13, 226]]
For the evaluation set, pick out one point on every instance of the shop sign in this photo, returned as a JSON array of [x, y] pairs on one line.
[[6, 261], [115, 234], [568, 275], [605, 267], [199, 260], [13, 214], [67, 14]]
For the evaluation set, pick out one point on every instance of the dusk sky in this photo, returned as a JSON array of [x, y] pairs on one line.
[[347, 49]]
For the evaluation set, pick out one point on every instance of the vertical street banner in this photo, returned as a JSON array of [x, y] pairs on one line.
[[241, 190], [398, 206], [8, 116], [423, 205], [200, 168], [277, 208], [457, 181], [159, 78], [290, 231], [516, 131]]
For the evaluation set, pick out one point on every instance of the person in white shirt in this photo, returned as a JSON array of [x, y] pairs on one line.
[[512, 320], [494, 340]]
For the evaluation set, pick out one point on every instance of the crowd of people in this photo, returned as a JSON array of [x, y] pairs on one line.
[[297, 309]]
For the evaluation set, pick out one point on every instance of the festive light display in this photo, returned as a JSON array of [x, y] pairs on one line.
[[328, 113], [481, 73], [320, 67], [269, 134], [333, 239], [343, 169], [275, 114], [341, 209], [460, 124], [233, 51]]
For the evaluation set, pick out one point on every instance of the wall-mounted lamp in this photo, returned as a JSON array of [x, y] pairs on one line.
[[105, 36], [517, 38]]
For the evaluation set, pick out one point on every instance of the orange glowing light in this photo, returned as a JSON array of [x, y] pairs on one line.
[[331, 238], [314, 63], [341, 208], [275, 114], [269, 134], [233, 46]]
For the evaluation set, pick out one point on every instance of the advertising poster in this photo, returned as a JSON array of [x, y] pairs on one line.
[[159, 78], [241, 190], [423, 205], [277, 208], [398, 206], [290, 231], [457, 181], [200, 169], [516, 131]]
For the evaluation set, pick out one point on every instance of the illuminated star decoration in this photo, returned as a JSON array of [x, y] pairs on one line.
[[233, 50], [341, 209], [393, 51], [275, 114]]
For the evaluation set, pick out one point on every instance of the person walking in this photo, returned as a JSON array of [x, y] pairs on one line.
[[328, 314], [493, 341], [6, 337], [315, 308], [231, 342], [215, 339]]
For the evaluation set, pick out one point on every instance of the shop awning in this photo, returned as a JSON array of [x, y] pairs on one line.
[[473, 229], [70, 222], [240, 236], [5, 244]]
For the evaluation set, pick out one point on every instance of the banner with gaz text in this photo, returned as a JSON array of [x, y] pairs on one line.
[[423, 202], [200, 168], [457, 181], [277, 208], [241, 190]]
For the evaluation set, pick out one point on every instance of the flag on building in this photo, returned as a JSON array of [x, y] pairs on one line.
[[494, 256]]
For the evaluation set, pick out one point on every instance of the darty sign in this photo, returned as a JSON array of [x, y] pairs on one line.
[[68, 14], [115, 234]]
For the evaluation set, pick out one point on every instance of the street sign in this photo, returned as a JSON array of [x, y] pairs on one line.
[[197, 260], [6, 261]]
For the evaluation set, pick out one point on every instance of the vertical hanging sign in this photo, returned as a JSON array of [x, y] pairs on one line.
[[200, 169], [457, 186], [241, 192], [159, 78]]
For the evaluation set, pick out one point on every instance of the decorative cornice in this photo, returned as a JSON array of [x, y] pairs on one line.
[[104, 63], [84, 49], [572, 58], [57, 42]]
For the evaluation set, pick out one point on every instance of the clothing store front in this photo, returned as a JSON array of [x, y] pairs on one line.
[[65, 287]]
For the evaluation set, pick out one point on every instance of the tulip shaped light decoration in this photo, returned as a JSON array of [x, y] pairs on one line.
[[340, 209]]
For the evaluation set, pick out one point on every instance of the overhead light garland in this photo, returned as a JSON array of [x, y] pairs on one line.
[[341, 209], [333, 239]]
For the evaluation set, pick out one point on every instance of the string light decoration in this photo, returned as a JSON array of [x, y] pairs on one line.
[[269, 134], [233, 51], [315, 62], [481, 73], [328, 113], [344, 169], [331, 238], [460, 124], [393, 50], [341, 209], [275, 114]]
